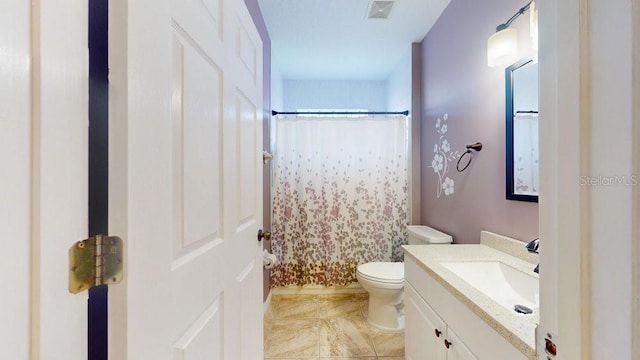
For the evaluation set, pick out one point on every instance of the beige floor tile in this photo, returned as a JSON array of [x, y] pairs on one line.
[[339, 305], [266, 324], [337, 297], [387, 343], [364, 306], [299, 297], [344, 336], [312, 327], [362, 296], [350, 358], [292, 338], [296, 306], [269, 314]]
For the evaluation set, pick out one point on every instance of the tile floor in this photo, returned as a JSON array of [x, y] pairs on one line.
[[305, 327]]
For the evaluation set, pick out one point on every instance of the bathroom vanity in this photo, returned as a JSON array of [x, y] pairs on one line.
[[459, 303]]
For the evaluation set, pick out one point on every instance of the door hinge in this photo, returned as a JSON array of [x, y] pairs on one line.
[[95, 261]]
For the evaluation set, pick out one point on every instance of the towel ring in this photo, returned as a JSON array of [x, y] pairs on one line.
[[477, 147]]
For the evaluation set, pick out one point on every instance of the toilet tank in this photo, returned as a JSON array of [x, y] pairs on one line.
[[423, 235]]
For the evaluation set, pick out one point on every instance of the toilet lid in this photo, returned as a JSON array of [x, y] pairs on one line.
[[383, 271]]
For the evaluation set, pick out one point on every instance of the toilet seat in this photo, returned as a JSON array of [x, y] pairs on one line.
[[382, 272]]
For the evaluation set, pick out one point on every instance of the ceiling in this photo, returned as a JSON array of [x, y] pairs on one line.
[[334, 40]]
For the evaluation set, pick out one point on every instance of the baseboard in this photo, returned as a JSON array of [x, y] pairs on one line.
[[317, 290]]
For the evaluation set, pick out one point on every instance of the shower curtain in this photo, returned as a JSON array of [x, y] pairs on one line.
[[525, 154], [340, 196]]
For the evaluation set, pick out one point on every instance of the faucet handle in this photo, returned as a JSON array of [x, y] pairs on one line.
[[532, 246]]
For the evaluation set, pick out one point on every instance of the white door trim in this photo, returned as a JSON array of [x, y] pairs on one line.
[[564, 231], [635, 293], [588, 210], [43, 147]]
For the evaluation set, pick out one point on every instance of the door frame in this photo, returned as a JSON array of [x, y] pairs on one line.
[[45, 59], [589, 231], [635, 290], [562, 41], [98, 26]]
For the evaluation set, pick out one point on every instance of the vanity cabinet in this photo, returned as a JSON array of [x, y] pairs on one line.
[[458, 350], [427, 336], [435, 317]]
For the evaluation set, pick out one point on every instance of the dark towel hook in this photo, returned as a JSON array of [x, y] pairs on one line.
[[477, 147]]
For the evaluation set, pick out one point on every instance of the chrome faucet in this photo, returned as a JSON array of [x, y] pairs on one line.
[[532, 247]]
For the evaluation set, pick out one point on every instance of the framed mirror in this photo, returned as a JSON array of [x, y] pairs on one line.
[[522, 131]]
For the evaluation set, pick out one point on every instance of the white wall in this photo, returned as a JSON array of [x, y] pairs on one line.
[[277, 87], [334, 94], [399, 84]]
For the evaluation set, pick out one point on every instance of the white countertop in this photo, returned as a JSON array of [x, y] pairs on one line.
[[517, 329]]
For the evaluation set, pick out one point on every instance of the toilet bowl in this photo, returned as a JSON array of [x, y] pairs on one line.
[[384, 281]]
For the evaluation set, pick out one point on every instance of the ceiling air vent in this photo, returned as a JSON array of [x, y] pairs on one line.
[[379, 9]]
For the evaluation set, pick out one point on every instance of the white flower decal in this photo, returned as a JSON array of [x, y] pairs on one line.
[[448, 186], [442, 157], [445, 145], [438, 163]]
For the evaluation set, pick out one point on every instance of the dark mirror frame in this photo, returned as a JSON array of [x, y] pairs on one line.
[[509, 133]]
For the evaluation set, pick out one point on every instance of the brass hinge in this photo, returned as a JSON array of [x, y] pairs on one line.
[[95, 261]]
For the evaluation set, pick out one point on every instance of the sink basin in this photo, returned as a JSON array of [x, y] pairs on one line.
[[500, 282]]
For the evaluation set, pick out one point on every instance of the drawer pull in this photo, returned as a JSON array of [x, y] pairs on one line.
[[447, 343], [438, 332]]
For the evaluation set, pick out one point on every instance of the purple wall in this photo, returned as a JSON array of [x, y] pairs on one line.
[[456, 81], [256, 15]]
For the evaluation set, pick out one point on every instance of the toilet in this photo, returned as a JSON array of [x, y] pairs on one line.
[[384, 281]]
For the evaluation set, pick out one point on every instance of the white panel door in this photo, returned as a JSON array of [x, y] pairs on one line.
[[424, 330], [186, 179], [43, 186]]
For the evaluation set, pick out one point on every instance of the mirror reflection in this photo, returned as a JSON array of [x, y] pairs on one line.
[[522, 131]]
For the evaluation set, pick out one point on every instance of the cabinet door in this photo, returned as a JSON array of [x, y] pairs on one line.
[[456, 350], [424, 330]]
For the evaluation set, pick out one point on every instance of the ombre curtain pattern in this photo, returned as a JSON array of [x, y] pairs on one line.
[[525, 154], [340, 196]]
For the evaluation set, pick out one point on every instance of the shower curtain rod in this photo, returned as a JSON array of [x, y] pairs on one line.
[[405, 113]]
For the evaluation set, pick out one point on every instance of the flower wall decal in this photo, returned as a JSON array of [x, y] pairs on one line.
[[442, 156]]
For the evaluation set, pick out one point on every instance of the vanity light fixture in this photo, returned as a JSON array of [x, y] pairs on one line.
[[533, 28], [502, 47]]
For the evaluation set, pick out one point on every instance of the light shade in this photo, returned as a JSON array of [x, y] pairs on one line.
[[502, 48], [533, 26]]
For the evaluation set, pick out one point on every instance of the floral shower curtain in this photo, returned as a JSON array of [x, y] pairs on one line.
[[340, 196], [525, 154]]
